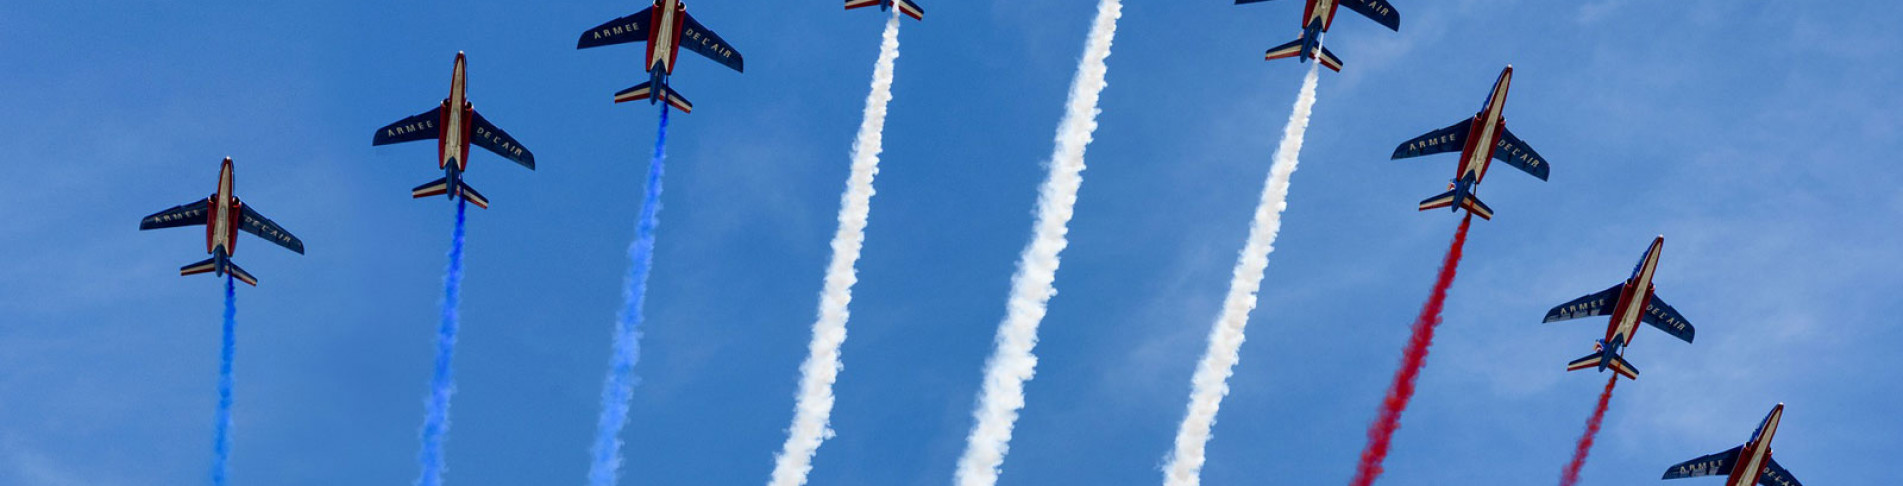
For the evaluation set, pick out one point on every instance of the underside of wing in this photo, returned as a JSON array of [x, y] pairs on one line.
[[1450, 139], [1518, 154], [182, 215], [1596, 304], [1715, 464], [489, 137], [632, 28], [1775, 475], [698, 38], [257, 224], [1665, 318], [419, 127], [1379, 10]]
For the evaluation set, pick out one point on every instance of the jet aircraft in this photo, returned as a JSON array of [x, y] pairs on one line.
[[223, 215], [455, 125], [666, 27], [1629, 303], [1746, 465], [1315, 21], [905, 6], [1480, 140]]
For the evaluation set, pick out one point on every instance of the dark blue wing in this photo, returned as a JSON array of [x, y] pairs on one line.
[[697, 38], [419, 127], [1663, 316], [1379, 10], [257, 224], [1597, 304], [182, 215], [1715, 464], [1520, 155], [498, 141], [1775, 475], [632, 28], [1450, 139]]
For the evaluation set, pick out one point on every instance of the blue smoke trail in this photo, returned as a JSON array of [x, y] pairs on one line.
[[221, 423], [442, 384], [619, 387]]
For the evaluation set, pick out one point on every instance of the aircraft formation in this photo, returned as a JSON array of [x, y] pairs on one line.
[[666, 27]]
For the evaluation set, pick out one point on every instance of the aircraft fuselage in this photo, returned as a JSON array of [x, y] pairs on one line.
[[664, 35], [453, 139], [1484, 134], [1634, 298], [221, 231], [1756, 453]]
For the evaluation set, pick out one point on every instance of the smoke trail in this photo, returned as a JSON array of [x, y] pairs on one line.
[[443, 381], [1571, 475], [1012, 363], [1402, 390], [814, 405], [1211, 382], [221, 422], [618, 388]]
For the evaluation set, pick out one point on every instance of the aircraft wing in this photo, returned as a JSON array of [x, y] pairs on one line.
[[1597, 304], [1520, 155], [632, 28], [1715, 464], [1379, 10], [1448, 139], [498, 141], [257, 224], [176, 216], [419, 127], [1663, 316], [698, 38], [1775, 475]]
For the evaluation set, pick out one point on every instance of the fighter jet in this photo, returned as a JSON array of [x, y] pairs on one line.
[[905, 6], [223, 215], [1746, 465], [666, 27], [454, 124], [1629, 303], [1480, 140], [1315, 21]]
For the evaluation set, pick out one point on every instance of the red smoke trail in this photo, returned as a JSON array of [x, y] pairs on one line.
[[1382, 430], [1571, 476]]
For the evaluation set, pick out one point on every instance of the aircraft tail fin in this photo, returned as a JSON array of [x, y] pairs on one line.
[[1603, 360], [1442, 200], [646, 90], [1328, 59], [221, 265], [240, 274], [207, 266], [470, 194], [910, 9], [1284, 51], [1473, 205], [432, 188]]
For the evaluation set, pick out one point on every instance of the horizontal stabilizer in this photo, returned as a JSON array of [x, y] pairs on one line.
[[1445, 199], [1473, 205], [470, 194], [852, 4], [638, 92], [432, 188], [646, 90], [1291, 49], [1597, 361], [910, 9], [1329, 59], [207, 266], [240, 274]]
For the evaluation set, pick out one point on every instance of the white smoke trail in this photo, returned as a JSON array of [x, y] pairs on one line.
[[1211, 381], [1012, 363], [814, 405]]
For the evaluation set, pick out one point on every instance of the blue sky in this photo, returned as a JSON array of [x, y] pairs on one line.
[[1757, 137]]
